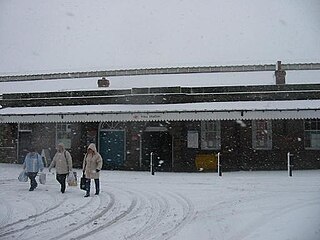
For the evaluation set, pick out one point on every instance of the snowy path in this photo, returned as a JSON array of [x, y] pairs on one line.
[[136, 205]]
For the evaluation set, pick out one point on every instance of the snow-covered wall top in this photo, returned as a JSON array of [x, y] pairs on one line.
[[65, 36], [189, 80]]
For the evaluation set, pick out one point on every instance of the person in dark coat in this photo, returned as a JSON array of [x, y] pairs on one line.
[[32, 164], [92, 164]]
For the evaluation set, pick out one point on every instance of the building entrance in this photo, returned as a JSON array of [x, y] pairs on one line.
[[112, 148], [160, 143], [24, 144]]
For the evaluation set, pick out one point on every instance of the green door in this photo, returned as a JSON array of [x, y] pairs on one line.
[[112, 148]]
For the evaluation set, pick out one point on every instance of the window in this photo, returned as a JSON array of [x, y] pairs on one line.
[[64, 134], [193, 139], [312, 134], [210, 135], [262, 134]]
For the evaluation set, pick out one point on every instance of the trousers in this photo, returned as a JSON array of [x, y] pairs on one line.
[[61, 178], [33, 181], [88, 183]]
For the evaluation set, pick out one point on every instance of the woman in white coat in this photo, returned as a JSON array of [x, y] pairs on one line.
[[62, 161], [92, 164]]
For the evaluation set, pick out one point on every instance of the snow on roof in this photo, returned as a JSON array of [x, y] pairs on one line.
[[183, 80], [166, 112]]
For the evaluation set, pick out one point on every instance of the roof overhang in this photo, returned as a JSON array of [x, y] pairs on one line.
[[250, 110]]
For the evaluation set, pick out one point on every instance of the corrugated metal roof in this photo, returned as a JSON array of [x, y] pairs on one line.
[[244, 110]]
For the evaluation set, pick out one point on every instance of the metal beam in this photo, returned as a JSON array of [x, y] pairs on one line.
[[160, 71]]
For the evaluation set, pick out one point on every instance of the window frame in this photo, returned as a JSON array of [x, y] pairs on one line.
[[313, 126], [267, 132], [214, 130], [66, 130]]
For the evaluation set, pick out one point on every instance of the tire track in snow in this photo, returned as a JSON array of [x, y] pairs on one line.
[[159, 209], [185, 217], [167, 215], [170, 212], [111, 221], [28, 223], [13, 228], [109, 206], [45, 221]]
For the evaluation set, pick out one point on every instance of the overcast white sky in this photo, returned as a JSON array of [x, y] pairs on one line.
[[62, 35], [59, 35]]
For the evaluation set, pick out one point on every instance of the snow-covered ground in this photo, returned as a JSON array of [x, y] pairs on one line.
[[137, 205]]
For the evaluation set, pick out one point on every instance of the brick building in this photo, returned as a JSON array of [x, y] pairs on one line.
[[252, 127]]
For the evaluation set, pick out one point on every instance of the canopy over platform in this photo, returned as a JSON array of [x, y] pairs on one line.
[[242, 110]]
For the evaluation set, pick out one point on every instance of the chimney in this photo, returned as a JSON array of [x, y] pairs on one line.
[[280, 74], [103, 82]]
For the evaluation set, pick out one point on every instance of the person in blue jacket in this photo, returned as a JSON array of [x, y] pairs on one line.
[[32, 164]]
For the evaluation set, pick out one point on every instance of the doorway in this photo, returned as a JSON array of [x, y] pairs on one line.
[[160, 143], [24, 144], [112, 148]]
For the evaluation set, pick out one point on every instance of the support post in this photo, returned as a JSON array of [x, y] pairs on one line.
[[290, 165], [219, 165], [151, 164]]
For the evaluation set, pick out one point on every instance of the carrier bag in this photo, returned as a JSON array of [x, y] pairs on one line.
[[72, 179], [42, 178], [83, 183], [23, 177]]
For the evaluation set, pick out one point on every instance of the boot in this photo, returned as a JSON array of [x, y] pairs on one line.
[[97, 183], [87, 188]]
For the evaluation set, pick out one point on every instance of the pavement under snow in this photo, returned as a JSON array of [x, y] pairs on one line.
[[137, 205]]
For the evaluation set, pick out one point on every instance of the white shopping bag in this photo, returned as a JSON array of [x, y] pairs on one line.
[[72, 179], [23, 177], [42, 178]]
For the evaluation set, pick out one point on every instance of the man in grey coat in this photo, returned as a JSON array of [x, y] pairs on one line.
[[62, 161]]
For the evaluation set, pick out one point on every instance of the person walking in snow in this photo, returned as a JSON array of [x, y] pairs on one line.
[[62, 161], [32, 164], [92, 164]]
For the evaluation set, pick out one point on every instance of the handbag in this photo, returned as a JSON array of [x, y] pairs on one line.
[[72, 179], [83, 183], [42, 178], [23, 177], [83, 179]]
